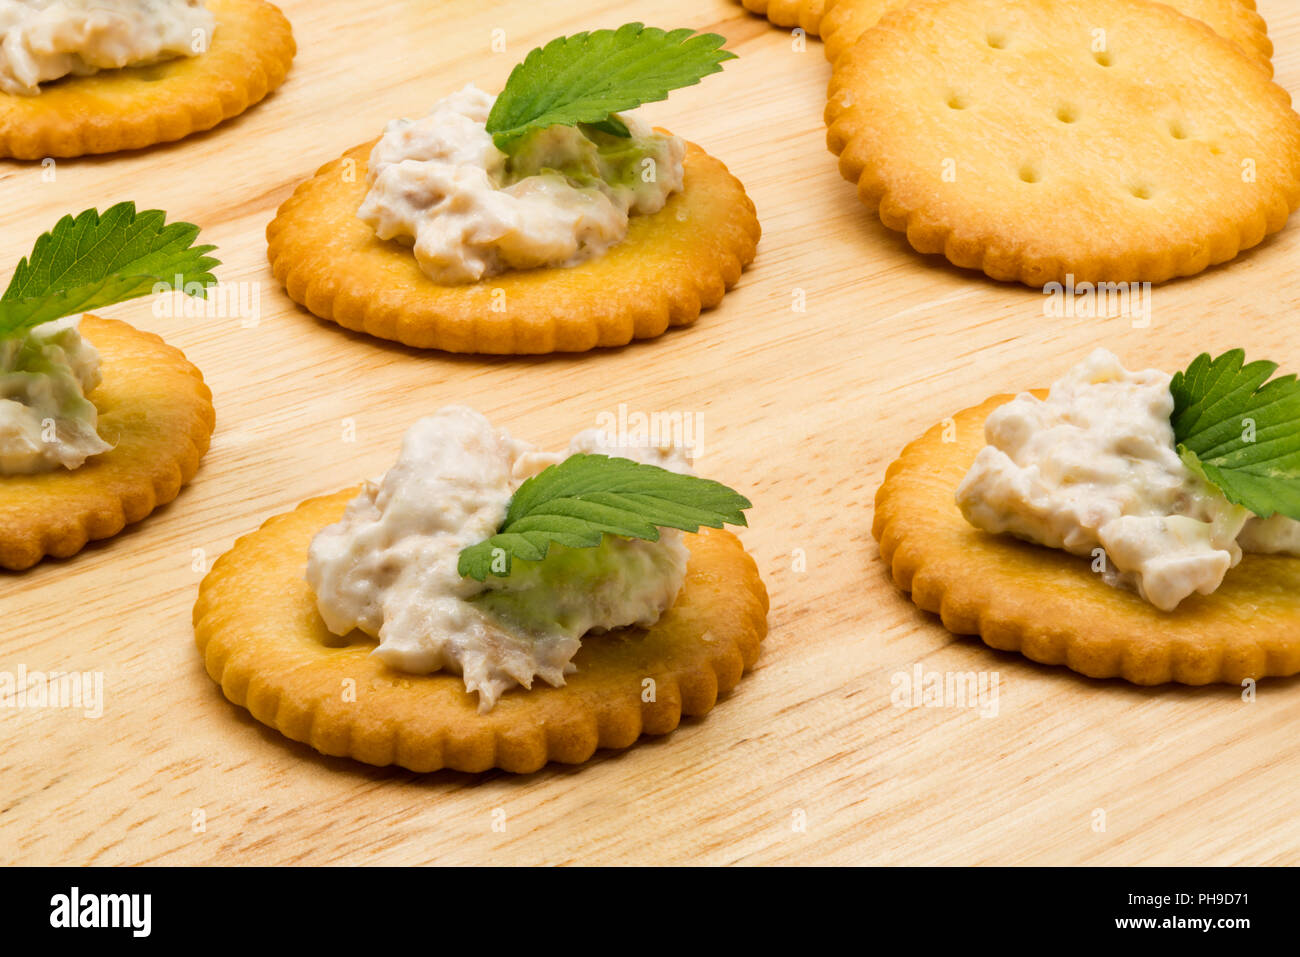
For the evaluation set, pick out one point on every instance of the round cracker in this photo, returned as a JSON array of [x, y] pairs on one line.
[[989, 131], [251, 49], [263, 641], [1050, 606], [156, 412], [1235, 20], [844, 21], [671, 265], [805, 14]]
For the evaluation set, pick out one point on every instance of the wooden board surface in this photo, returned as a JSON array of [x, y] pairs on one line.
[[807, 761]]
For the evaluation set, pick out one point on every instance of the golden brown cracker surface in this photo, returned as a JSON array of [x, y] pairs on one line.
[[263, 641], [1237, 20], [671, 265], [134, 107], [1050, 606], [844, 21], [1036, 139], [155, 411], [805, 14]]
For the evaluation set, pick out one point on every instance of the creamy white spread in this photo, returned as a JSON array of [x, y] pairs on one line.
[[43, 40], [46, 421], [1094, 465], [563, 196], [389, 567]]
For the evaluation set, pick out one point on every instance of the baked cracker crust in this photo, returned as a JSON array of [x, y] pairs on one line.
[[806, 14], [262, 640], [156, 412], [671, 265], [134, 107], [844, 21], [1050, 606], [989, 131]]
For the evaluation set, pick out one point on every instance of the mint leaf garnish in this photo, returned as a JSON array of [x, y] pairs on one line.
[[1240, 431], [93, 260], [585, 77], [585, 497]]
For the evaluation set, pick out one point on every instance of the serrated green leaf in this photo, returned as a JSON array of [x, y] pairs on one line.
[[586, 497], [586, 77], [1240, 431], [95, 260]]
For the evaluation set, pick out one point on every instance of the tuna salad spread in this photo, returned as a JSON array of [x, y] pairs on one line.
[[1095, 465], [561, 196], [389, 567], [43, 40], [46, 421]]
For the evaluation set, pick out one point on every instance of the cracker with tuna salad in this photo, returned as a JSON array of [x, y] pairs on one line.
[[534, 221], [216, 71], [155, 415], [671, 266], [487, 604], [1109, 140], [100, 422], [1084, 532]]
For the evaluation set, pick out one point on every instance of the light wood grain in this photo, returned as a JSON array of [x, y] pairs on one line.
[[801, 410]]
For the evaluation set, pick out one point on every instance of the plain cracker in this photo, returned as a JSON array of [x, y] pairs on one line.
[[991, 132], [1050, 606], [262, 640], [844, 21], [805, 14], [671, 265], [134, 107], [156, 413]]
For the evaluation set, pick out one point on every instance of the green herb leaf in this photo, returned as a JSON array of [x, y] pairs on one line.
[[1240, 431], [92, 261], [585, 77], [586, 497]]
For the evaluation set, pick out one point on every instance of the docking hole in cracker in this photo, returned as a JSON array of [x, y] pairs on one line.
[[486, 604], [844, 21], [78, 79], [1038, 140], [1123, 524], [536, 221], [100, 423]]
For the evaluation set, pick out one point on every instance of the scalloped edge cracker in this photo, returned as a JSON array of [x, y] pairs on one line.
[[844, 21], [1050, 606], [156, 412], [805, 14], [993, 133], [134, 107], [672, 265], [262, 640]]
